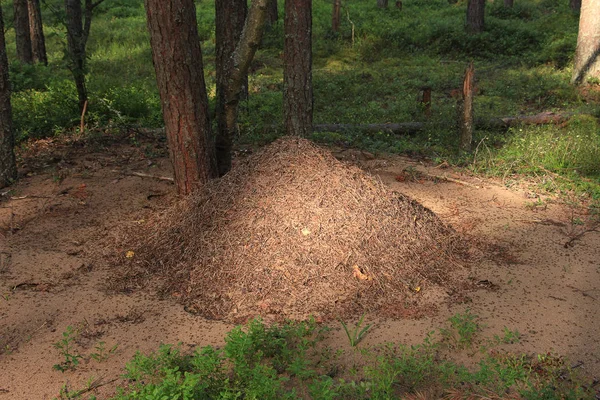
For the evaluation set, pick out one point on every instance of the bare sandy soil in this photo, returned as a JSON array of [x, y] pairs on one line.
[[545, 283]]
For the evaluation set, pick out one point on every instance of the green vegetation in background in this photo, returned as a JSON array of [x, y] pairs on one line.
[[522, 64], [290, 361]]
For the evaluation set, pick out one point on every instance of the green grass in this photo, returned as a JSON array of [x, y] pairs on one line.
[[290, 361], [522, 61]]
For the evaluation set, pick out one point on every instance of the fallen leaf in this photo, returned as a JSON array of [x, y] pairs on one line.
[[129, 254], [305, 231], [357, 273]]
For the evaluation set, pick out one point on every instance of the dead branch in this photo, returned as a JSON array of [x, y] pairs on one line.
[[144, 175], [572, 240]]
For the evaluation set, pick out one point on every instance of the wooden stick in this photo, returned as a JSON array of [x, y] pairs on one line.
[[82, 123], [144, 175]]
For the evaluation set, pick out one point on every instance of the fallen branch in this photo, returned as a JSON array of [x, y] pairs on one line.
[[144, 175], [571, 241], [446, 178]]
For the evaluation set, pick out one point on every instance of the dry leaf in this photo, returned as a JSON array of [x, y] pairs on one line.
[[305, 231], [129, 254], [357, 273]]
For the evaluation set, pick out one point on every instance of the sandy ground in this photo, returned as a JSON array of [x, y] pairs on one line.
[[70, 198]]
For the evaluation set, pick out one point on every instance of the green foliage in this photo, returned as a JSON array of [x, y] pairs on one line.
[[358, 333], [65, 348], [462, 330]]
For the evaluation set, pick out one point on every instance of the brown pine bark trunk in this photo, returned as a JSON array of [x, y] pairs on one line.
[[508, 3], [382, 3], [466, 117], [587, 54], [475, 16], [575, 6], [76, 48], [38, 42], [272, 12], [22, 32], [336, 16], [241, 58], [297, 68], [180, 78], [8, 166], [230, 17]]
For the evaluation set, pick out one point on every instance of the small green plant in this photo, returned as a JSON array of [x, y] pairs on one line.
[[358, 334], [65, 348], [102, 353], [462, 331]]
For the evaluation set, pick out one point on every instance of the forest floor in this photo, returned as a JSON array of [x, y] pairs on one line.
[[72, 195]]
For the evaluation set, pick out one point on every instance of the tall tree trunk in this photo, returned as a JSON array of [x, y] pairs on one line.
[[508, 3], [575, 6], [475, 16], [22, 32], [297, 68], [336, 17], [587, 55], [272, 12], [230, 17], [38, 42], [180, 78], [8, 166], [236, 77], [76, 48], [382, 3]]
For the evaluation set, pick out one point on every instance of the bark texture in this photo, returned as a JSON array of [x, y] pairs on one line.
[[230, 17], [382, 3], [234, 80], [36, 30], [8, 166], [336, 15], [272, 12], [297, 68], [587, 55], [22, 32], [180, 78], [475, 16]]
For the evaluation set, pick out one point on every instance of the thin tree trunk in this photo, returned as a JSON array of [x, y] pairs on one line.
[[230, 17], [76, 47], [236, 77], [508, 3], [22, 32], [180, 78], [8, 166], [297, 68], [587, 55], [575, 6], [475, 16], [272, 12], [38, 42], [382, 3], [466, 117], [336, 17]]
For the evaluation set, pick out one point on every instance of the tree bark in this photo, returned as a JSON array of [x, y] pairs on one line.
[[76, 48], [382, 3], [508, 3], [587, 60], [297, 68], [22, 32], [466, 109], [8, 166], [230, 17], [475, 16], [575, 6], [38, 42], [180, 78], [336, 16], [272, 12]]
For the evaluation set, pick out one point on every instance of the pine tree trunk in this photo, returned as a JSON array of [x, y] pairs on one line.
[[76, 47], [297, 68], [336, 17], [38, 42], [8, 166], [508, 3], [180, 78], [382, 3], [575, 6], [230, 17], [22, 32], [475, 16], [272, 12], [587, 55]]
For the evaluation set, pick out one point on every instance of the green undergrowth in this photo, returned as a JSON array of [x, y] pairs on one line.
[[293, 361]]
